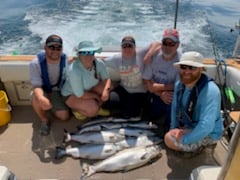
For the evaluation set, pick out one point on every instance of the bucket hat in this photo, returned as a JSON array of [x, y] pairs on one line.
[[84, 46], [191, 58]]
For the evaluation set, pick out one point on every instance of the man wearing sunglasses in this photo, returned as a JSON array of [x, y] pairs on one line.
[[46, 77], [196, 120], [130, 94], [159, 76], [87, 83]]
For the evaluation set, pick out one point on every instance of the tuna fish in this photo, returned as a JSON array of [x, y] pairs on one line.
[[124, 160], [98, 137]]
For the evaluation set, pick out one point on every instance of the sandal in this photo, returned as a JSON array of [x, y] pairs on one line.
[[44, 129]]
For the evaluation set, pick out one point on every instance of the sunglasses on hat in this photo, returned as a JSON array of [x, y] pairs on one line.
[[87, 53]]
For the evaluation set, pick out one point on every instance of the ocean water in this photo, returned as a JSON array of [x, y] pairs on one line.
[[204, 25]]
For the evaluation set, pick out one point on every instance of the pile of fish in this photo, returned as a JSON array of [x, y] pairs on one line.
[[115, 144]]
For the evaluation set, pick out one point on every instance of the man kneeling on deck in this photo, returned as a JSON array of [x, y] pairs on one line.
[[196, 120]]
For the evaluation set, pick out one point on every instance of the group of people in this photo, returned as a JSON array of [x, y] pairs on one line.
[[157, 83]]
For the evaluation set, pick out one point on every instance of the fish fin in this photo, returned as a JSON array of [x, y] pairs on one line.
[[144, 156], [87, 171], [67, 136], [60, 152]]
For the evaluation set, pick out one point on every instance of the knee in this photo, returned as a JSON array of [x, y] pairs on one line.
[[92, 112], [167, 139], [63, 115]]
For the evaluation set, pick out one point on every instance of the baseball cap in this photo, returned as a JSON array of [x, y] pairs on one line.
[[53, 40], [128, 40], [191, 58], [171, 34]]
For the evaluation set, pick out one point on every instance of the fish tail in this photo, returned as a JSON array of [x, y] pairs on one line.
[[60, 152], [67, 136], [87, 171]]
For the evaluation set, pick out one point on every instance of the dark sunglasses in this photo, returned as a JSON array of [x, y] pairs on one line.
[[127, 46], [86, 53], [55, 48], [184, 67], [171, 44]]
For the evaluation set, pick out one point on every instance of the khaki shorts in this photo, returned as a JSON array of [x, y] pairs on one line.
[[207, 141]]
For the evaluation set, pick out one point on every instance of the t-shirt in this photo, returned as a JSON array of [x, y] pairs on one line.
[[160, 70], [36, 74], [78, 79], [130, 70]]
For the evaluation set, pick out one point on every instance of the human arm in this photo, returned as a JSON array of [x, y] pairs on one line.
[[164, 91], [154, 47], [106, 90], [43, 101]]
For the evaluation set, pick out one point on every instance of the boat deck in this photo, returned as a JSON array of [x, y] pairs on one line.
[[31, 156]]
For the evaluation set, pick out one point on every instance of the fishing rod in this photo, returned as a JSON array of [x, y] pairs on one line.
[[226, 92], [176, 15]]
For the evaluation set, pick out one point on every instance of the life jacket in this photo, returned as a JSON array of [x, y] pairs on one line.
[[44, 71], [187, 112]]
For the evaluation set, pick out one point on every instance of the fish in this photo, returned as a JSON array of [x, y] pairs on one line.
[[113, 125], [98, 137], [88, 151], [110, 119], [124, 160], [142, 140], [102, 151], [133, 131]]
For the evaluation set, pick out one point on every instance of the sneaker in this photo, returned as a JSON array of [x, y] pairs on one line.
[[79, 116], [103, 112], [44, 129]]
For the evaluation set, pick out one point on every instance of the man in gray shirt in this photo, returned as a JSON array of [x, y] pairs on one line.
[[159, 77], [130, 91], [46, 77]]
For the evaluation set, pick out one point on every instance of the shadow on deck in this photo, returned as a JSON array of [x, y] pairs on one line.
[[31, 156]]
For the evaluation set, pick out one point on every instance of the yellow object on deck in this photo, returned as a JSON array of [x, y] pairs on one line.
[[5, 108]]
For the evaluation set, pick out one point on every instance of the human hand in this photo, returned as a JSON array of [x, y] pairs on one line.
[[44, 103], [166, 96]]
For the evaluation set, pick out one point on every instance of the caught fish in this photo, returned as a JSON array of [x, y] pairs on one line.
[[98, 137], [124, 160], [112, 125], [88, 151], [99, 127], [102, 151], [110, 119], [133, 132], [139, 141]]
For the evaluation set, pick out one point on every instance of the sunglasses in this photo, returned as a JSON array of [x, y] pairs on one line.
[[171, 44], [184, 67], [127, 46], [87, 53], [55, 48]]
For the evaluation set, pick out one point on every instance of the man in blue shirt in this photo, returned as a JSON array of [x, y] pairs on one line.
[[196, 120]]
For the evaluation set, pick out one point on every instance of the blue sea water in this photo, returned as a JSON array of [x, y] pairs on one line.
[[204, 25]]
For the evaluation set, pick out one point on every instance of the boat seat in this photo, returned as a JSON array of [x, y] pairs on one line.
[[234, 115]]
